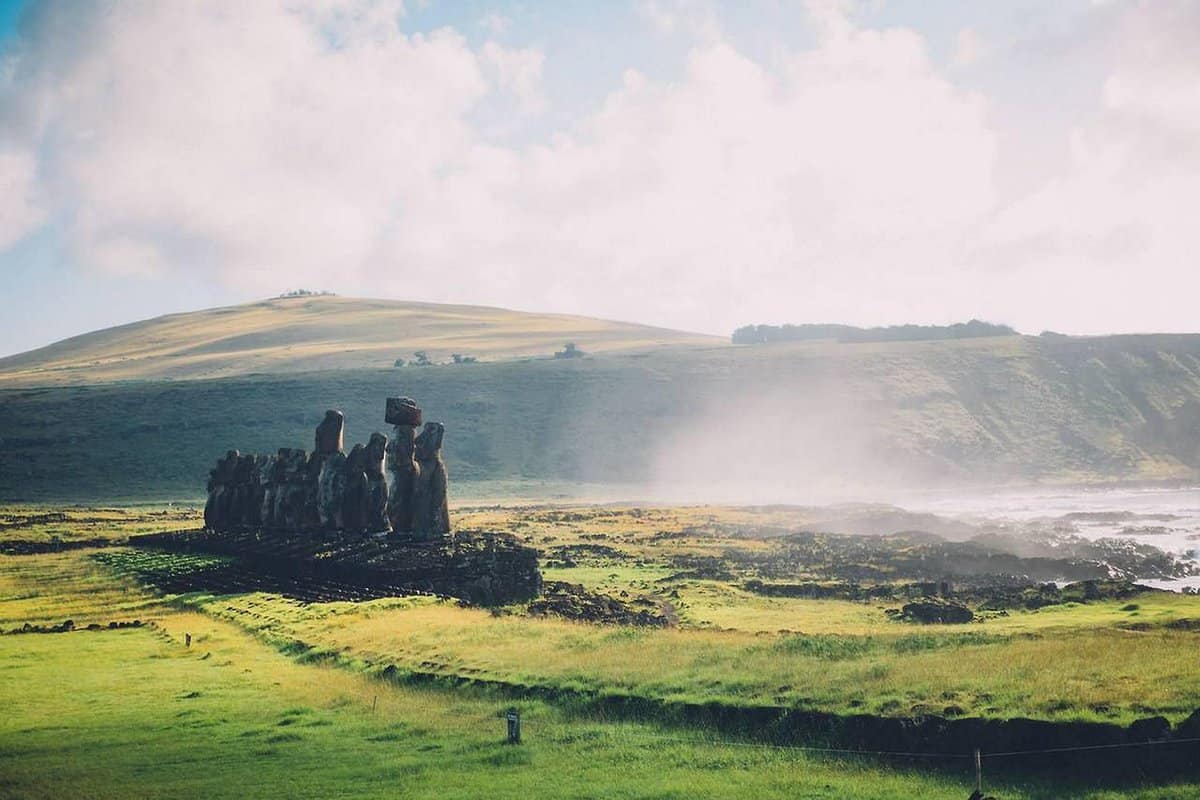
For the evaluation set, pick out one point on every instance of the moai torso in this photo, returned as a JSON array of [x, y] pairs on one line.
[[220, 484], [331, 488], [290, 490], [404, 416], [354, 500], [431, 512], [377, 485], [266, 504], [326, 472], [242, 495]]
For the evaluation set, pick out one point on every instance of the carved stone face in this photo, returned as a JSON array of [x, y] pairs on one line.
[[291, 463], [244, 469], [357, 460], [226, 468], [376, 452], [429, 443], [329, 433], [265, 466]]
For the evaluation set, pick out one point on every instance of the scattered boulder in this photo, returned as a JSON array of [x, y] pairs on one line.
[[1150, 729], [936, 611], [573, 601]]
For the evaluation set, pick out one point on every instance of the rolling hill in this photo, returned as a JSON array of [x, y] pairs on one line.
[[650, 413], [300, 334]]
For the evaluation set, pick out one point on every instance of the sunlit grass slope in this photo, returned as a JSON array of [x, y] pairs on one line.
[[313, 333], [136, 713]]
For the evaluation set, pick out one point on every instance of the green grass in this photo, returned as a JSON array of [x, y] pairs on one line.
[[230, 718], [274, 697], [50, 525], [1056, 672]]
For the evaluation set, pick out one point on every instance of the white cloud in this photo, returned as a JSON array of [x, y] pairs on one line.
[[968, 48], [518, 71], [494, 23], [694, 17], [285, 144], [21, 211], [1115, 224], [738, 192]]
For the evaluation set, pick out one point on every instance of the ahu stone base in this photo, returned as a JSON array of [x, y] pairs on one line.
[[482, 568]]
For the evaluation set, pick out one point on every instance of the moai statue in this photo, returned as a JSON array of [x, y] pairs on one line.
[[404, 416], [258, 489], [331, 488], [242, 495], [431, 512], [266, 503], [220, 487], [354, 499], [290, 490], [329, 434], [323, 473], [377, 485]]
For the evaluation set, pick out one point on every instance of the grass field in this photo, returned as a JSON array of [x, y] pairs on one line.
[[136, 713], [284, 698]]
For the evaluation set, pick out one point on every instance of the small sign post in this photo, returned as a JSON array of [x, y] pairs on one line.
[[514, 726]]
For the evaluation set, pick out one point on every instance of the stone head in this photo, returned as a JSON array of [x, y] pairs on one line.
[[429, 443], [328, 439], [376, 452], [356, 461]]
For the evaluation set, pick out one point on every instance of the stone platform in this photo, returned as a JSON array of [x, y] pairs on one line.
[[480, 567]]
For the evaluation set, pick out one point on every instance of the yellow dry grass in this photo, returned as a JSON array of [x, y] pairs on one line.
[[313, 333]]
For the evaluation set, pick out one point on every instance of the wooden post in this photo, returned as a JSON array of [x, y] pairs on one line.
[[978, 772], [187, 640], [374, 700], [514, 726]]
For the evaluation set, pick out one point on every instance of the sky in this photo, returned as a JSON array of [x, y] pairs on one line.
[[697, 165]]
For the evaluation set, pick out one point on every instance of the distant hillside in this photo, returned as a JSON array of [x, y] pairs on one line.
[[300, 334], [767, 334], [785, 422]]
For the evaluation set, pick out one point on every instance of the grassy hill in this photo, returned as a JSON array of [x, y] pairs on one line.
[[297, 334], [793, 421]]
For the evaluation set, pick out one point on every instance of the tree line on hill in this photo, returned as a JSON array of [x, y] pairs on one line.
[[766, 334]]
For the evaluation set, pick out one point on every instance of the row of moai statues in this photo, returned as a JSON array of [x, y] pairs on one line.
[[338, 491]]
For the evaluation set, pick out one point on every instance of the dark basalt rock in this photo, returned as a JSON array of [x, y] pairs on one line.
[[1151, 729], [479, 567], [936, 611], [573, 601], [402, 411]]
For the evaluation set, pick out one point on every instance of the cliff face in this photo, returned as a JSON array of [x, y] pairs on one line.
[[1007, 409]]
